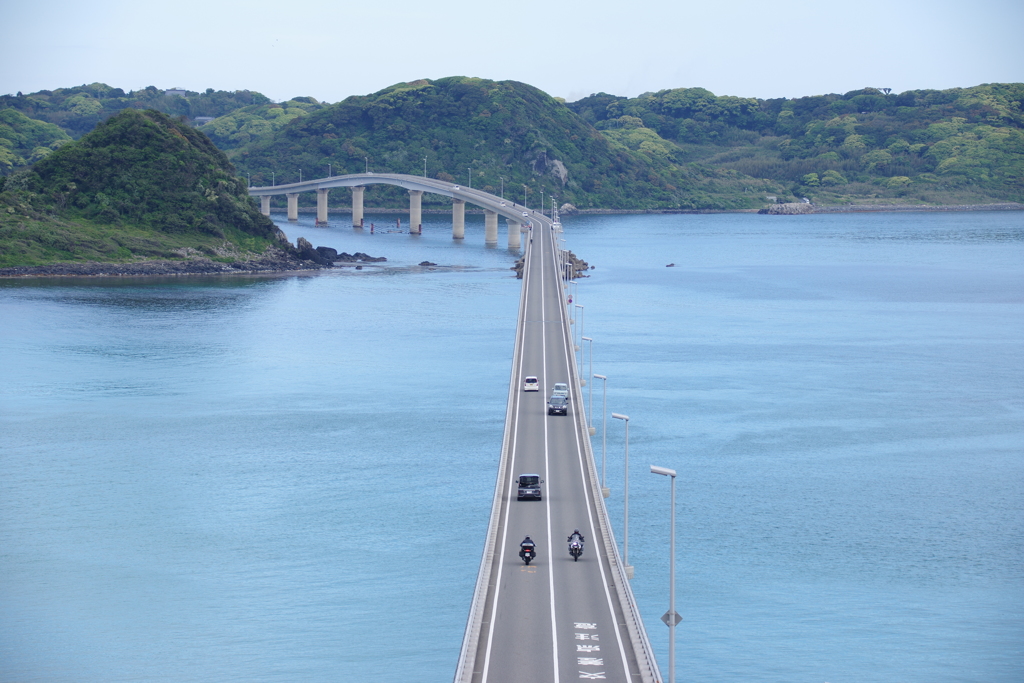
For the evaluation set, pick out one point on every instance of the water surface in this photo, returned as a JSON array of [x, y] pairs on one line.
[[288, 478]]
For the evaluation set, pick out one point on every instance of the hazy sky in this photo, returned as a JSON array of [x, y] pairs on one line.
[[330, 49]]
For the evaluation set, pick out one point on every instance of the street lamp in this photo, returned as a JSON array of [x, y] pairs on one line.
[[605, 491], [590, 410], [542, 202], [470, 178], [424, 167], [328, 170], [273, 178], [502, 188], [579, 368], [300, 175], [366, 163], [671, 617], [625, 514]]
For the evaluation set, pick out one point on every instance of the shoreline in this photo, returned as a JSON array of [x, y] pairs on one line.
[[274, 263], [816, 208]]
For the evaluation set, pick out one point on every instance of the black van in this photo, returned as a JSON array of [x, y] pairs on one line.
[[529, 486]]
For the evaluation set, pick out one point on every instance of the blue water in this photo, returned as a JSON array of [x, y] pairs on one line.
[[288, 478]]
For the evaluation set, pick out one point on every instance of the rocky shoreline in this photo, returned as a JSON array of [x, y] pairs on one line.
[[274, 260], [798, 208], [815, 208]]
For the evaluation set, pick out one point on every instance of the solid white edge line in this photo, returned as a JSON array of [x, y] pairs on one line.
[[547, 477]]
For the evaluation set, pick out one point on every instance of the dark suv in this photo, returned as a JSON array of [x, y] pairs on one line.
[[558, 405], [529, 486]]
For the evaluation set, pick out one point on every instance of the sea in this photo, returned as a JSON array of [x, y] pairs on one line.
[[288, 477]]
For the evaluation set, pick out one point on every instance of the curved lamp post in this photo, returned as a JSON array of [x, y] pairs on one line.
[[671, 618], [590, 391], [625, 514], [605, 491]]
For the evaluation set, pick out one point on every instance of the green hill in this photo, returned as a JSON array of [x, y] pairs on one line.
[[948, 146], [140, 185], [24, 140], [510, 134], [77, 110]]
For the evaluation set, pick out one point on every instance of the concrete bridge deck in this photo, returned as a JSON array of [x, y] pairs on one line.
[[514, 214], [555, 620]]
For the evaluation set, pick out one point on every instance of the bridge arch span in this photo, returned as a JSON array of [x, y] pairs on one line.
[[515, 215]]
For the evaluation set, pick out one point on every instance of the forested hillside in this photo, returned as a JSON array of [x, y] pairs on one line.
[[927, 144], [682, 148], [494, 135], [140, 184]]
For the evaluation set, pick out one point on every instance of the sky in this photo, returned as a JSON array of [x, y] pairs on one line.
[[330, 49]]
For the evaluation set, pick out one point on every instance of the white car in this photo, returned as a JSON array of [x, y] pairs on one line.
[[525, 214], [531, 384], [561, 389]]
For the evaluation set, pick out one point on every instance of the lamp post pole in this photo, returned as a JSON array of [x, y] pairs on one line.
[[590, 390], [470, 178], [625, 514], [671, 618], [424, 167], [579, 367], [502, 188], [366, 163], [605, 491], [300, 175], [273, 178], [328, 170]]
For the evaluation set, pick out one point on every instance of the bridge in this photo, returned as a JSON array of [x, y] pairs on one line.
[[556, 619], [515, 215]]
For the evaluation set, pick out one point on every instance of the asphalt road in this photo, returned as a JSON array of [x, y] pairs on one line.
[[556, 619]]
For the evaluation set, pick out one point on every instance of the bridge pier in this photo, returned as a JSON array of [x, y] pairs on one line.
[[490, 227], [357, 207], [321, 206], [293, 206], [458, 219], [265, 205], [514, 231], [415, 212]]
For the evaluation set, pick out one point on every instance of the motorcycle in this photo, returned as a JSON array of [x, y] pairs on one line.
[[528, 553], [576, 549]]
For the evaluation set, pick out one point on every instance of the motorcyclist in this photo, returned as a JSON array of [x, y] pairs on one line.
[[527, 544], [575, 534]]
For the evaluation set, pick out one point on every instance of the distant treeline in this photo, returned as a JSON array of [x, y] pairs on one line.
[[678, 148]]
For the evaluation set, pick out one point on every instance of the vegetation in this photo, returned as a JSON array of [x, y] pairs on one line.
[[257, 121], [140, 184], [511, 135], [77, 110], [926, 145], [683, 148], [24, 141]]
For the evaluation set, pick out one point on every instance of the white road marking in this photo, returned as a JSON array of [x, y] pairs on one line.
[[547, 498], [588, 648], [583, 626], [593, 534], [592, 676], [589, 661], [508, 500]]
